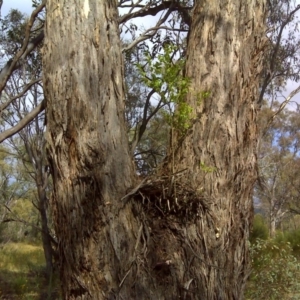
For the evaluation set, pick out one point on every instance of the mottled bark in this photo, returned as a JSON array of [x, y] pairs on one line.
[[140, 247], [224, 59], [87, 143]]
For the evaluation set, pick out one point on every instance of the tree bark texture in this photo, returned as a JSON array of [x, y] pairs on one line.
[[87, 143], [224, 60], [141, 247]]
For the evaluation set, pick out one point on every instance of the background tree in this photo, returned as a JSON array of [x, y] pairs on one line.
[[281, 61], [24, 92], [19, 217], [10, 183], [278, 161], [274, 191]]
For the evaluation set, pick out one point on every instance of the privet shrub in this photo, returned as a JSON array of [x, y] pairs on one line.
[[275, 271], [293, 238], [259, 229]]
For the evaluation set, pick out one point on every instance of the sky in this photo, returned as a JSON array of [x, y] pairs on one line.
[[25, 6]]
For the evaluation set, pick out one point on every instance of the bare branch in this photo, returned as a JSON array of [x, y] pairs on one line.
[[27, 47], [27, 119], [26, 88], [149, 32], [147, 10], [282, 106], [140, 130]]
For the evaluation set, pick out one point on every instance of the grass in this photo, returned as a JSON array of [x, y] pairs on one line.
[[22, 274]]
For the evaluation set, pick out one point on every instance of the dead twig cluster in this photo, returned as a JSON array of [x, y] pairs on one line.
[[167, 195]]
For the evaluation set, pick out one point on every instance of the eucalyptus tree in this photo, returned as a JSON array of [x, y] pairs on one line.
[[10, 186], [181, 233], [276, 185], [278, 164], [23, 93], [111, 247]]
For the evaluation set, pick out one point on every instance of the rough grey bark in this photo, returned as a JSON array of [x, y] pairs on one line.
[[169, 238], [224, 58], [87, 144]]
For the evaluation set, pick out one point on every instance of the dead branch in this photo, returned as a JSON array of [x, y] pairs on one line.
[[27, 119], [179, 199], [25, 89], [281, 108], [147, 10]]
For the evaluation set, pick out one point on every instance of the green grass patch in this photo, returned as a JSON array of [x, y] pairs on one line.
[[22, 273]]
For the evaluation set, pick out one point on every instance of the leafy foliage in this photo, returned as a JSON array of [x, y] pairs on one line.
[[292, 237], [275, 272], [164, 76], [259, 229]]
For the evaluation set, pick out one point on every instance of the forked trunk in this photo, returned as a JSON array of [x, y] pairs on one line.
[[169, 238]]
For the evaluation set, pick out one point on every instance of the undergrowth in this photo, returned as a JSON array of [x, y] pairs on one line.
[[22, 273]]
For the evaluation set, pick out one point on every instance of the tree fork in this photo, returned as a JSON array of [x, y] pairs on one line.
[[140, 248]]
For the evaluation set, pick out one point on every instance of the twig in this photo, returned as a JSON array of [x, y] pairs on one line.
[[132, 192]]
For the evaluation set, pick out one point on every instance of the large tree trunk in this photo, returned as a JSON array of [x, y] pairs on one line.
[[87, 143], [140, 247], [224, 59]]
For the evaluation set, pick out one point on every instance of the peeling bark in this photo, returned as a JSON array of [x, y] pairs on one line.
[[87, 143], [224, 59], [177, 236]]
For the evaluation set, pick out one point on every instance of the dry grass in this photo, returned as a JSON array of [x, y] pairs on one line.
[[22, 273]]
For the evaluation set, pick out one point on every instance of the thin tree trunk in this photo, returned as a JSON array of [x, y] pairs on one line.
[[272, 227], [46, 240], [37, 157]]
